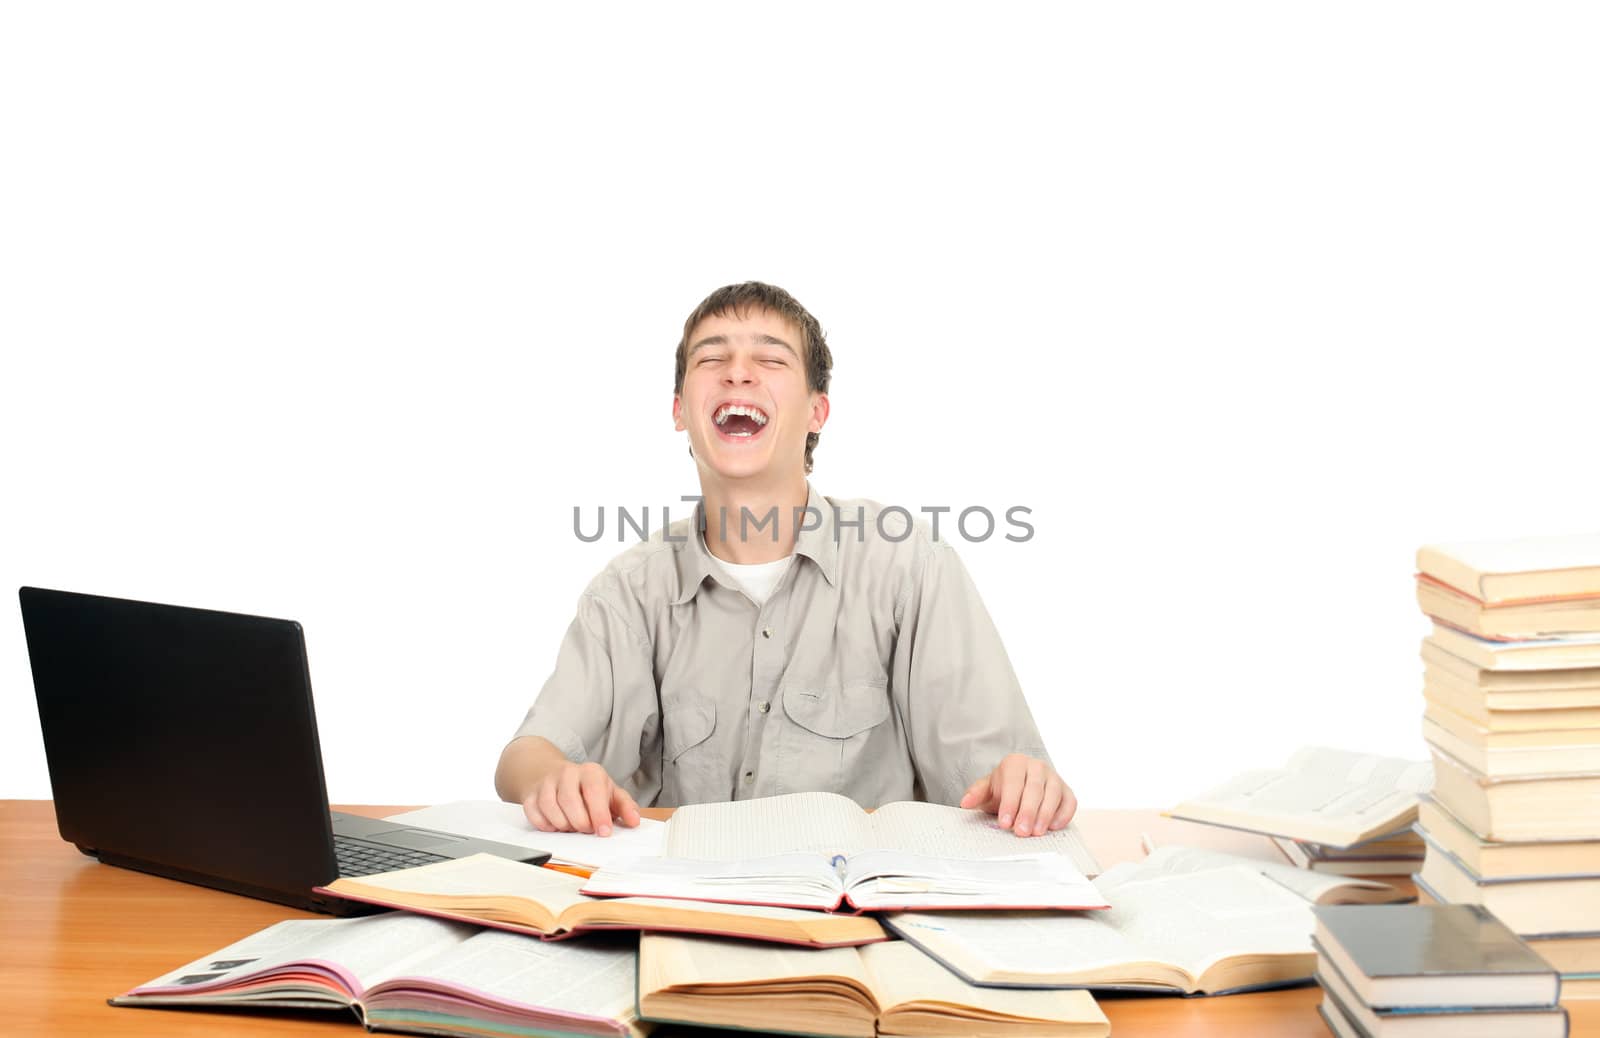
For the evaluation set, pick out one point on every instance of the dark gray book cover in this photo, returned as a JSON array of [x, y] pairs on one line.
[[1427, 941]]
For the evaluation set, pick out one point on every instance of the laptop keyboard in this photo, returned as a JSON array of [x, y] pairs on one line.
[[357, 858]]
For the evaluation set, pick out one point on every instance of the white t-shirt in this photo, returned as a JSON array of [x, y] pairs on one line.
[[757, 579]]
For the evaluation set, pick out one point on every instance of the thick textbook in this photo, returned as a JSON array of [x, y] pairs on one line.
[[1397, 956], [1530, 905], [1499, 859], [401, 972], [1508, 754], [829, 824], [1184, 920], [1324, 796], [1536, 807], [866, 881], [889, 989], [491, 891]]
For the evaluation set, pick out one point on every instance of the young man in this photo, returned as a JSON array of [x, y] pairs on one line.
[[794, 643]]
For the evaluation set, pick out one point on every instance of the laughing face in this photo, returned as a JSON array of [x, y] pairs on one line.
[[746, 403]]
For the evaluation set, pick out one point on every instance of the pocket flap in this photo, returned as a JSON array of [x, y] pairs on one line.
[[840, 711], [686, 724]]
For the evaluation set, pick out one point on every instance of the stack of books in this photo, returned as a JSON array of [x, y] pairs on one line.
[[1424, 970], [1393, 854], [1512, 715]]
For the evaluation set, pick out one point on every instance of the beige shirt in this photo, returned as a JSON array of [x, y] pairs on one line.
[[873, 670]]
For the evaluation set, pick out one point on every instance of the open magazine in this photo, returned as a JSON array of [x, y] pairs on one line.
[[401, 972]]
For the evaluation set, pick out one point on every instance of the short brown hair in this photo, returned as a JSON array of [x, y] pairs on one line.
[[740, 299]]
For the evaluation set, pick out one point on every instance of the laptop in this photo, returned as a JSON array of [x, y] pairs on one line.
[[182, 742]]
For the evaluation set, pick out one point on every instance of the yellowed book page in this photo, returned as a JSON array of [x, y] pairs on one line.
[[901, 975], [822, 823], [589, 978], [479, 876]]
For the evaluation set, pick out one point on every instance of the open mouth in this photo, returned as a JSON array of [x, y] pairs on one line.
[[739, 421]]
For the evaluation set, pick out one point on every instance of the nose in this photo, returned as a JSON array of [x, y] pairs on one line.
[[739, 372]]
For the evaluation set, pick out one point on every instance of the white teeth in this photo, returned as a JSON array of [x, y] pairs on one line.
[[728, 410]]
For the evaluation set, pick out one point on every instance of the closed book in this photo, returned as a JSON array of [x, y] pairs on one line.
[[1506, 754], [1535, 711], [1511, 620], [1501, 859], [1396, 956], [1517, 569], [1553, 807], [1361, 1022], [1528, 905], [1520, 655]]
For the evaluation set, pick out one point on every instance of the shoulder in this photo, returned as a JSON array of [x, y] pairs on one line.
[[886, 543], [644, 577]]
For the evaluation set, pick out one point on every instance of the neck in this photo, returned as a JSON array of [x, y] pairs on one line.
[[734, 508]]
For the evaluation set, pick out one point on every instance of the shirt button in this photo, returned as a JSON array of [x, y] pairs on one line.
[[766, 632], [749, 777], [764, 707]]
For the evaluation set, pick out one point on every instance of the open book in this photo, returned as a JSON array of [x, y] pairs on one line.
[[890, 989], [510, 895], [866, 880], [1322, 796], [401, 972], [832, 825], [1183, 920]]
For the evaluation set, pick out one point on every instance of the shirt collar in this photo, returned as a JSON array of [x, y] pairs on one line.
[[817, 543]]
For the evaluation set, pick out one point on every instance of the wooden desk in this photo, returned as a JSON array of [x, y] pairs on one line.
[[74, 932]]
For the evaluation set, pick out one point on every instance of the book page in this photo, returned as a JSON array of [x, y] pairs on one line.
[[1184, 921], [1176, 859], [821, 823], [893, 879], [901, 975], [807, 879], [505, 823], [940, 831], [593, 977], [359, 952], [482, 875]]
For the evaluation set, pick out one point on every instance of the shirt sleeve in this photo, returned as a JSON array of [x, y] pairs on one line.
[[600, 703], [959, 696]]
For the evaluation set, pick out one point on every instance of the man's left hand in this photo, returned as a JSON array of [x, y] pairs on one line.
[[1027, 795]]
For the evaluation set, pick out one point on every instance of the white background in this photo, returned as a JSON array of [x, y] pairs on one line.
[[335, 311]]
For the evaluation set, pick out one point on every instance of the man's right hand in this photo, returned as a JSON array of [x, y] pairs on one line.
[[579, 798]]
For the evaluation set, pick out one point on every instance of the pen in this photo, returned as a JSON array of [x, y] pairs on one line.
[[571, 870]]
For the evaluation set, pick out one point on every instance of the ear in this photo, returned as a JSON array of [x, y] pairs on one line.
[[677, 412], [819, 412]]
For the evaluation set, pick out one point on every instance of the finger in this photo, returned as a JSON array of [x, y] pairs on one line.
[[623, 807], [976, 793], [1069, 807], [595, 785], [550, 809], [1013, 776], [1049, 804], [1032, 793], [536, 818], [570, 797]]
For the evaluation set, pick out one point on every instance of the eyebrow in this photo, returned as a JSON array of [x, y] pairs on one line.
[[761, 340]]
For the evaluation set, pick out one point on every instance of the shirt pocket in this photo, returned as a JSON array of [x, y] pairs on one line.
[[690, 773], [831, 742]]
